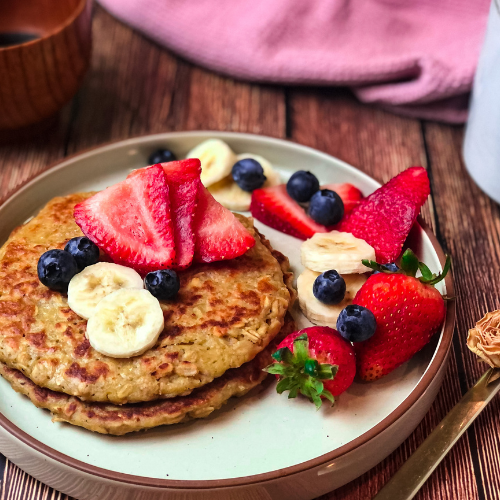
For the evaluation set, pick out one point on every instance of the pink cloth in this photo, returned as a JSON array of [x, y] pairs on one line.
[[415, 57]]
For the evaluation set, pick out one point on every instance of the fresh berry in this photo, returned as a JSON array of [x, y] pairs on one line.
[[131, 222], [161, 156], [84, 251], [356, 323], [183, 181], [408, 312], [248, 174], [326, 207], [385, 218], [302, 185], [316, 362], [56, 268], [329, 287], [274, 207], [392, 267], [163, 284], [219, 234], [351, 195]]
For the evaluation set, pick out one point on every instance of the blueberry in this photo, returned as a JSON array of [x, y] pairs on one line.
[[248, 174], [326, 207], [161, 156], [163, 284], [390, 267], [329, 287], [56, 268], [356, 323], [302, 185], [84, 251]]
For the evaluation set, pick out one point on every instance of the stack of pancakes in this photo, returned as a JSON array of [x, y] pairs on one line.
[[219, 333]]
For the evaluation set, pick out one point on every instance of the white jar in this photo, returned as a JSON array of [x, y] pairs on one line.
[[482, 135]]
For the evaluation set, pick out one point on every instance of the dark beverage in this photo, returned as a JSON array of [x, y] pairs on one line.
[[16, 38]]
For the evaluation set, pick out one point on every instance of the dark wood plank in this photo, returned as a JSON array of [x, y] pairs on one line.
[[381, 145], [128, 91], [470, 228], [19, 161], [218, 103], [136, 87]]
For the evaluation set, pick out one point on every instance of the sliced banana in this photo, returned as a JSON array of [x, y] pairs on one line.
[[217, 160], [125, 323], [335, 250], [88, 288], [317, 312], [231, 196]]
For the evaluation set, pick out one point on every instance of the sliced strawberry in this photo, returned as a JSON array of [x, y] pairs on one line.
[[350, 195], [274, 207], [130, 221], [385, 218], [219, 234], [183, 179]]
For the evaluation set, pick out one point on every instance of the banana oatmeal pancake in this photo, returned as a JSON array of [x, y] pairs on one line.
[[107, 418], [224, 315]]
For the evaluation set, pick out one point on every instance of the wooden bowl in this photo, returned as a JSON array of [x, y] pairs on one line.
[[45, 48]]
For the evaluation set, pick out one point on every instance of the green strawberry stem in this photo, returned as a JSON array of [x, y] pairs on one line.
[[299, 373], [409, 265]]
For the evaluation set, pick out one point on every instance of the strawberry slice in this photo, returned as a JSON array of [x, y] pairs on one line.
[[274, 207], [351, 195], [219, 234], [385, 218], [130, 221], [183, 179]]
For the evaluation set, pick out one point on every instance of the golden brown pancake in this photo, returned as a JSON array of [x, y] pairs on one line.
[[224, 315], [113, 419]]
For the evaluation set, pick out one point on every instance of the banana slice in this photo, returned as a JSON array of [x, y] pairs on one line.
[[88, 288], [231, 196], [317, 312], [217, 160], [125, 323], [335, 250]]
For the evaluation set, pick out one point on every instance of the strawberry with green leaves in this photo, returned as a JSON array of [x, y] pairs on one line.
[[408, 311], [315, 362]]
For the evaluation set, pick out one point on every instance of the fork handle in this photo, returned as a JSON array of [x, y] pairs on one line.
[[416, 470]]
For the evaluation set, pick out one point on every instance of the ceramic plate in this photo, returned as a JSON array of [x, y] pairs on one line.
[[262, 435]]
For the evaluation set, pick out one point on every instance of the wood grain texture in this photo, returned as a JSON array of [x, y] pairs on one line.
[[135, 88], [21, 161], [469, 224]]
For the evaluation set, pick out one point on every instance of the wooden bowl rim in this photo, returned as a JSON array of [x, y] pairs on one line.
[[60, 27], [435, 365]]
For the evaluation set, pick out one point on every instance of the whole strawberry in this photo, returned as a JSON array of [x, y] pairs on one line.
[[408, 312], [315, 362]]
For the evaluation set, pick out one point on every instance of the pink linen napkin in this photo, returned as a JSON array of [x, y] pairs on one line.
[[415, 57]]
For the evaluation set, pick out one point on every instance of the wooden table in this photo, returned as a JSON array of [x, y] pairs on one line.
[[135, 87]]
